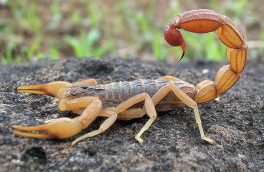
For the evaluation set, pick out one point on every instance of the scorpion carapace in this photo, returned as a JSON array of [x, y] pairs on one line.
[[133, 99]]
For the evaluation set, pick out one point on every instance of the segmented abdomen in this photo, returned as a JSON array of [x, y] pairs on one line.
[[124, 90], [121, 91]]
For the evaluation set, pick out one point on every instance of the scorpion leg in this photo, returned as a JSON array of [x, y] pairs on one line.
[[63, 127], [164, 91], [75, 104], [112, 116], [174, 79], [85, 82], [80, 111], [132, 114], [148, 105], [170, 78], [126, 115]]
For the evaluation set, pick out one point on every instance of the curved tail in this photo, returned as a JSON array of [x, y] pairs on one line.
[[204, 21]]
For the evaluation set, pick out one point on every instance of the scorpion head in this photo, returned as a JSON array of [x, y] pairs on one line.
[[174, 38]]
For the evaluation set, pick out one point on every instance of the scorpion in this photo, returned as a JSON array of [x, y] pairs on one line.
[[127, 100]]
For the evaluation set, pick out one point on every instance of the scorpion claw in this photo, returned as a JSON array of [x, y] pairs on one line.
[[34, 89], [33, 135], [58, 128], [30, 128], [50, 89], [31, 131]]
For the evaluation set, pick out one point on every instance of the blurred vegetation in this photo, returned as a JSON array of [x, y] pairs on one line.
[[55, 29]]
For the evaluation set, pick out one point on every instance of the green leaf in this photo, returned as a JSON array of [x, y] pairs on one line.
[[54, 54]]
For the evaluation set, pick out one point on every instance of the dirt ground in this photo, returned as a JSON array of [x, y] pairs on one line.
[[236, 122]]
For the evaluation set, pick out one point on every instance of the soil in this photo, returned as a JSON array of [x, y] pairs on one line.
[[236, 122]]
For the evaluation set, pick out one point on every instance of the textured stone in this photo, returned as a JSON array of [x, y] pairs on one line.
[[236, 122]]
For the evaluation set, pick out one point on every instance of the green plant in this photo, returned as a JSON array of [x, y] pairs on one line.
[[76, 17], [34, 47], [56, 16], [204, 46], [85, 46], [26, 16], [9, 52], [94, 14], [237, 7], [151, 36], [96, 28], [54, 53], [159, 50], [10, 45]]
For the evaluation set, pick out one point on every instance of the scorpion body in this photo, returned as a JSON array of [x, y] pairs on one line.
[[133, 99], [117, 92]]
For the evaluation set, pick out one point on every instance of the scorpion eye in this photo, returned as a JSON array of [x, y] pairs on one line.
[[84, 87]]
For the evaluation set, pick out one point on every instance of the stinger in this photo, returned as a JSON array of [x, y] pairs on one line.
[[174, 38]]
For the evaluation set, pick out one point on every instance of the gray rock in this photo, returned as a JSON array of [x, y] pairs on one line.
[[236, 122]]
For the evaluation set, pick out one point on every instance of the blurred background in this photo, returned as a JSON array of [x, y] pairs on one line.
[[57, 29]]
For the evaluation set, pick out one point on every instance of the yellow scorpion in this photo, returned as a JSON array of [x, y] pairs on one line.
[[133, 99]]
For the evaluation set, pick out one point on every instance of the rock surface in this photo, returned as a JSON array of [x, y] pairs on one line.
[[236, 122]]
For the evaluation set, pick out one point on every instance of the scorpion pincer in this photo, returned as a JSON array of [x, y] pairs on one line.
[[133, 99]]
